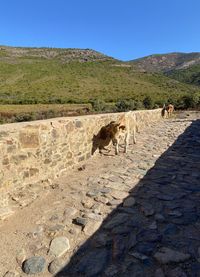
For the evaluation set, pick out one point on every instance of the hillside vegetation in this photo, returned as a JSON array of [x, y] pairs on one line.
[[31, 76], [189, 75], [81, 76]]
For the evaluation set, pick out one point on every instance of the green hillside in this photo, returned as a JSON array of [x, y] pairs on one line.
[[82, 81], [45, 75], [190, 75]]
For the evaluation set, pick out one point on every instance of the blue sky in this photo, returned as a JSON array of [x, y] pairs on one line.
[[124, 29]]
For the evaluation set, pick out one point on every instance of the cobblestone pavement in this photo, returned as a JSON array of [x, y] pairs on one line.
[[136, 214]]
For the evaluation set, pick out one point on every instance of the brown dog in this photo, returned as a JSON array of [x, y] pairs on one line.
[[170, 110], [167, 111], [102, 139], [116, 131]]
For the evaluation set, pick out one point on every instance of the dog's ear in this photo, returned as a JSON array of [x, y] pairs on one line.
[[94, 137]]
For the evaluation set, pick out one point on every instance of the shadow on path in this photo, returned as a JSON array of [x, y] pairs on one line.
[[166, 213]]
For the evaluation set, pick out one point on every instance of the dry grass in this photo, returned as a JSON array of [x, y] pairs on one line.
[[13, 113], [41, 107]]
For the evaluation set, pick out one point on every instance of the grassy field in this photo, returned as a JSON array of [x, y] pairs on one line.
[[13, 113]]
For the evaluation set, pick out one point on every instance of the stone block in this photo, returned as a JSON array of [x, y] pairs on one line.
[[29, 138]]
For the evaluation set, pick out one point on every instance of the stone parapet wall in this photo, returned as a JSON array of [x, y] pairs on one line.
[[38, 151]]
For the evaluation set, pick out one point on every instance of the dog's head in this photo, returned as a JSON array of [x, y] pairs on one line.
[[114, 128]]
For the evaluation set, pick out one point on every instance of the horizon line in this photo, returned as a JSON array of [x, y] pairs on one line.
[[51, 47]]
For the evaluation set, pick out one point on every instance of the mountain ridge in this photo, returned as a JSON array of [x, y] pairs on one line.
[[157, 61], [61, 54], [166, 62]]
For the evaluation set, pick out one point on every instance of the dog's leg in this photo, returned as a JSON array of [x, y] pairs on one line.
[[100, 149], [134, 137], [126, 143], [137, 128], [116, 143]]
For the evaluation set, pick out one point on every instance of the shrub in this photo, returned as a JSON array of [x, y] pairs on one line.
[[98, 105], [139, 105], [180, 104], [24, 117], [122, 106], [148, 102], [191, 101], [128, 105]]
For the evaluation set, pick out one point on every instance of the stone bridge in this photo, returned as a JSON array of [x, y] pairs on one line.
[[136, 214]]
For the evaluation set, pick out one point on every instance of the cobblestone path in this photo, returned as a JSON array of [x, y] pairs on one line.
[[136, 214]]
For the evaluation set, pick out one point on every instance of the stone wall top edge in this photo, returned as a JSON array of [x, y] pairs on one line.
[[16, 125]]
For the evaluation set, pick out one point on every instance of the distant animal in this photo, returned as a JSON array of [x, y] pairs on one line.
[[167, 111], [116, 131], [164, 111], [170, 110]]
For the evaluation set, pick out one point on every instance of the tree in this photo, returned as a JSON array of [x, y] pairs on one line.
[[191, 101]]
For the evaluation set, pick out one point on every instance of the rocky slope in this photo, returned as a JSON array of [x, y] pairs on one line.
[[65, 55], [167, 62]]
